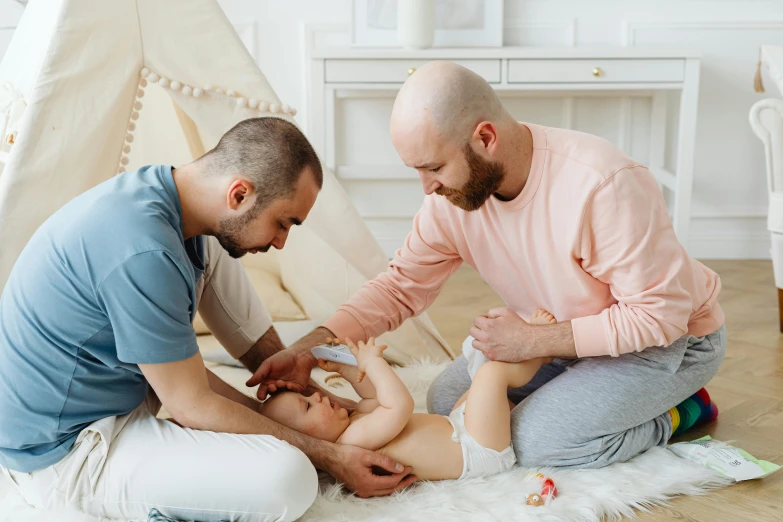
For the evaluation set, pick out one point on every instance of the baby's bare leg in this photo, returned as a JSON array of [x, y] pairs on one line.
[[487, 412]]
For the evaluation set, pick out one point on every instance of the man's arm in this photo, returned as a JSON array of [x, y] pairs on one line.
[[185, 389], [413, 280], [224, 389], [629, 244], [266, 346]]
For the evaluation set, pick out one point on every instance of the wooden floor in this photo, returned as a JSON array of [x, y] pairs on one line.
[[748, 388]]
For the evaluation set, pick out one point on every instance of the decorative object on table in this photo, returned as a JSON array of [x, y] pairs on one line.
[[457, 23], [548, 492], [766, 120], [416, 23], [724, 458]]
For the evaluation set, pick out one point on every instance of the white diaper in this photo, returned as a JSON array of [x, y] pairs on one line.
[[478, 461], [474, 357]]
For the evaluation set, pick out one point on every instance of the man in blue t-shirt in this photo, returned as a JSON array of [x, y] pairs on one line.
[[98, 309]]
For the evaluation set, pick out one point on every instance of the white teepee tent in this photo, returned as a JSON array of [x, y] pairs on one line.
[[88, 88]]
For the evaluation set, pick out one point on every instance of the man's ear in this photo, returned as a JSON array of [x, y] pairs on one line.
[[240, 194], [487, 135]]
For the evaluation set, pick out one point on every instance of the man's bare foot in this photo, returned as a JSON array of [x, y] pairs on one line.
[[543, 317]]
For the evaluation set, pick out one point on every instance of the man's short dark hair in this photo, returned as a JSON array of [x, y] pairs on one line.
[[270, 152]]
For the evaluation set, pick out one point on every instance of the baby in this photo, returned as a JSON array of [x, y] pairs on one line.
[[473, 441]]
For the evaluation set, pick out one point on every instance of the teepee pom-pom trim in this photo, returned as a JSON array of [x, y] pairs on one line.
[[147, 76], [187, 90]]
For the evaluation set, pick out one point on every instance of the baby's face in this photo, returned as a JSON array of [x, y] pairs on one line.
[[314, 415]]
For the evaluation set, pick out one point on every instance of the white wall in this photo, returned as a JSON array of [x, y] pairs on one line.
[[729, 205]]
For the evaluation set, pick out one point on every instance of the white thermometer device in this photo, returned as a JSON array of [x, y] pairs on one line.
[[338, 353]]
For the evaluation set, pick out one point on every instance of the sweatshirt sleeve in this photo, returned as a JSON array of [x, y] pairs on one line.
[[413, 280], [628, 243]]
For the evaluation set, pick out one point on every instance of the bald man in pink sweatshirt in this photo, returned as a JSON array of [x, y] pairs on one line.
[[552, 219]]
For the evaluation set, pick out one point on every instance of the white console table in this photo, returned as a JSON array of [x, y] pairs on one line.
[[338, 75]]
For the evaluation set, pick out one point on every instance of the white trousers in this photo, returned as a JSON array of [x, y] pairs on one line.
[[121, 467]]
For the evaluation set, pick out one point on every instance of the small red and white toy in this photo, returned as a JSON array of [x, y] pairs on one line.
[[548, 492]]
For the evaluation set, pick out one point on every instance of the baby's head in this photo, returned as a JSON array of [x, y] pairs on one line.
[[315, 415]]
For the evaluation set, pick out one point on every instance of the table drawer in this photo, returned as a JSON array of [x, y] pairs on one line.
[[396, 71], [595, 71]]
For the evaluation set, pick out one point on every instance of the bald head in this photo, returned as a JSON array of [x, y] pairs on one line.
[[446, 100]]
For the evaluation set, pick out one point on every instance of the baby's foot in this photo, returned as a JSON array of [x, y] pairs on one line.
[[542, 317]]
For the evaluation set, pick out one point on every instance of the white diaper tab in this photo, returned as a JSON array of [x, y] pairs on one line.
[[478, 461], [474, 357]]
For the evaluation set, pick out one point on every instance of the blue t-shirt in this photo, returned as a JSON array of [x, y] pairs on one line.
[[105, 284]]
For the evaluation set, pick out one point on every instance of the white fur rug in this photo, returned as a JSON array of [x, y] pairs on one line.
[[588, 495]]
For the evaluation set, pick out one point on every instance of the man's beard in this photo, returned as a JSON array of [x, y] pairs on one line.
[[231, 229], [485, 179]]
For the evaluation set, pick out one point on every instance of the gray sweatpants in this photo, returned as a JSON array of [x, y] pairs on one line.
[[588, 413]]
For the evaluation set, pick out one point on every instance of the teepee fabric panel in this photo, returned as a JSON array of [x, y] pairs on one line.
[[112, 86]]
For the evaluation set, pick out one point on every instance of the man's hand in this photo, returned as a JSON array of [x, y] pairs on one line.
[[288, 369], [353, 466], [503, 336]]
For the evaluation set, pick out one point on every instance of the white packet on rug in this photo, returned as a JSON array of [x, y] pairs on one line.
[[724, 458]]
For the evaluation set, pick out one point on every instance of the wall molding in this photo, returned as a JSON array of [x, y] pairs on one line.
[[630, 27], [568, 26]]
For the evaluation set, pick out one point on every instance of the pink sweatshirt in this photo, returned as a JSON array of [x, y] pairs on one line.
[[588, 239]]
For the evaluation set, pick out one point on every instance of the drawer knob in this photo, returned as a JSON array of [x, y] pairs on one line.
[[597, 71], [411, 71]]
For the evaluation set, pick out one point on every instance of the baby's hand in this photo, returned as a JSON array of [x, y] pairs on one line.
[[331, 366], [364, 353]]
